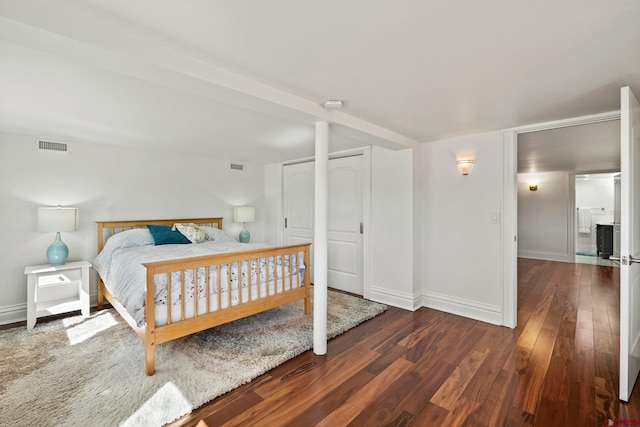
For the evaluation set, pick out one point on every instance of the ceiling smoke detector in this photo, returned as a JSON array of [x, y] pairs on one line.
[[333, 104]]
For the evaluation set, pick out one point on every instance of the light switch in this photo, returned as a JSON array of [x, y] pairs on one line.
[[495, 217]]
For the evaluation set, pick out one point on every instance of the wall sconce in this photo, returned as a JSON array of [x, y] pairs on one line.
[[533, 186], [465, 166]]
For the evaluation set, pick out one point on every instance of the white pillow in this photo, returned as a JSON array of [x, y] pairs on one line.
[[217, 234], [193, 232], [129, 239]]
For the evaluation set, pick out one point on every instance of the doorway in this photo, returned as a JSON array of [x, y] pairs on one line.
[[629, 242], [511, 139], [540, 156], [560, 209]]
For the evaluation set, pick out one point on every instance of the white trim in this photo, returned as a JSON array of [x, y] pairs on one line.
[[546, 256], [13, 313], [557, 124], [571, 219], [509, 230], [366, 221], [335, 155], [463, 307], [417, 219], [396, 299], [280, 207]]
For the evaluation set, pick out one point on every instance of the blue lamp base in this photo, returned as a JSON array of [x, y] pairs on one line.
[[58, 252], [244, 236]]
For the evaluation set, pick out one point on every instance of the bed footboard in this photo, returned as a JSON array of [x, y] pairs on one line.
[[202, 292]]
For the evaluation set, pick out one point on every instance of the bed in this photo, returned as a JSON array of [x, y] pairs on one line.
[[168, 291]]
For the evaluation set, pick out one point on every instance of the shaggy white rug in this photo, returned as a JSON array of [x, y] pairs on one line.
[[81, 372]]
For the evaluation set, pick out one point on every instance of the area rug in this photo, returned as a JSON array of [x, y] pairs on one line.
[[81, 372]]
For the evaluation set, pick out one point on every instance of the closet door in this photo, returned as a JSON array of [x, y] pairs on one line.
[[344, 217], [345, 226], [298, 205]]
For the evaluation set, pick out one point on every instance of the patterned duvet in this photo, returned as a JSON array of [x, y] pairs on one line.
[[120, 267]]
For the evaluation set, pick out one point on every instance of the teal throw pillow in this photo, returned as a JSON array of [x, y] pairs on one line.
[[164, 235]]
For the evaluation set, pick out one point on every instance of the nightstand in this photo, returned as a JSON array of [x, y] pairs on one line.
[[55, 289]]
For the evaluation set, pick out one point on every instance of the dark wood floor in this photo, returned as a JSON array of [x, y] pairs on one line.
[[559, 367]]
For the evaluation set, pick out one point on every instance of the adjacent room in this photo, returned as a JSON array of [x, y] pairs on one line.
[[598, 213], [566, 193]]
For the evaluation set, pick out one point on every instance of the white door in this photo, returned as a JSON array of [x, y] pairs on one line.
[[616, 216], [345, 225], [298, 204], [629, 244], [344, 217]]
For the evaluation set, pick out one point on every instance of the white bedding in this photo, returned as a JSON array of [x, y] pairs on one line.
[[120, 267]]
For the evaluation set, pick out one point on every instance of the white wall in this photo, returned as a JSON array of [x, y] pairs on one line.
[[461, 259], [596, 193], [106, 182], [544, 217], [391, 230]]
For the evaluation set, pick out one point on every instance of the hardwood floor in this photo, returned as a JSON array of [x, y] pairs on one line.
[[428, 368]]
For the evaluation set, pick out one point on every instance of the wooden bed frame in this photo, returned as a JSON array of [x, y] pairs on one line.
[[153, 334]]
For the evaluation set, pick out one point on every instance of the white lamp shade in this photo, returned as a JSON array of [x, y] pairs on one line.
[[244, 214], [57, 219]]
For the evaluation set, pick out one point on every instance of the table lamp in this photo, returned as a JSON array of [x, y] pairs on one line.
[[57, 219], [244, 214]]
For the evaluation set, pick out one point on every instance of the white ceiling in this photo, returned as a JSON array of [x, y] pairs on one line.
[[244, 80], [593, 147]]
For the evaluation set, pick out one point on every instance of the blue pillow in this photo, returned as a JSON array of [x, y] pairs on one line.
[[164, 235]]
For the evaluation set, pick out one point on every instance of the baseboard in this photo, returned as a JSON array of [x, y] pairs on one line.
[[13, 313], [395, 299], [545, 256], [463, 307]]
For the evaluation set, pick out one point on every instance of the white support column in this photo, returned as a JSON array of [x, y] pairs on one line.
[[320, 240]]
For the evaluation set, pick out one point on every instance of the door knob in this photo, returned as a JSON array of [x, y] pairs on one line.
[[626, 260]]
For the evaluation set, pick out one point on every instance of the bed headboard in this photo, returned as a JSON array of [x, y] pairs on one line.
[[107, 229]]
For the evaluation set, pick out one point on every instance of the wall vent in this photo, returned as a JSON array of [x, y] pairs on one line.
[[237, 166], [60, 147]]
